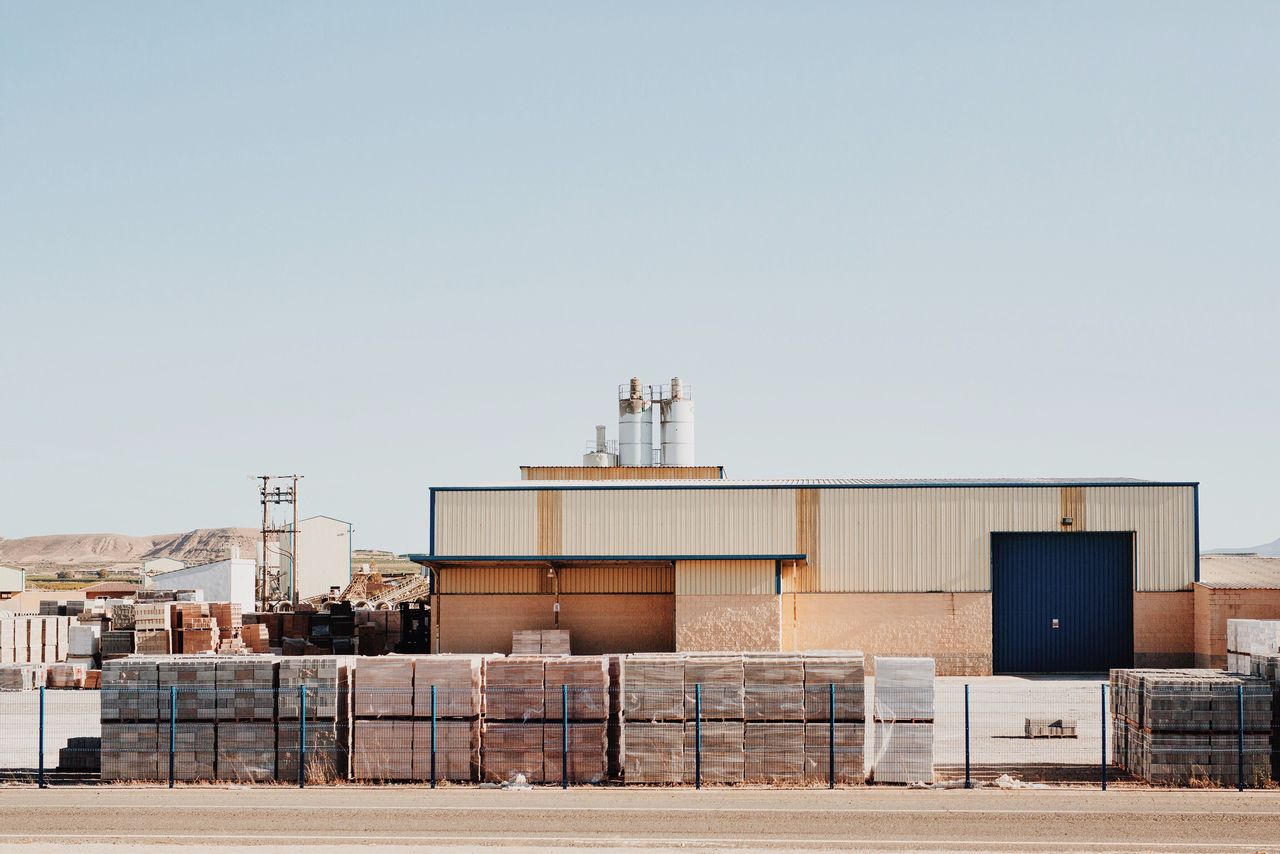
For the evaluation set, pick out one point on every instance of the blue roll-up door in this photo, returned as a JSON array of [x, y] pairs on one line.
[[1061, 603]]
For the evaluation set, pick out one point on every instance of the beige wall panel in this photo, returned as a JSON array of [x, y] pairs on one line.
[[922, 540], [728, 623], [487, 523], [493, 579], [679, 521], [597, 623], [1164, 629], [618, 579], [1215, 605], [550, 522], [1164, 519], [698, 577]]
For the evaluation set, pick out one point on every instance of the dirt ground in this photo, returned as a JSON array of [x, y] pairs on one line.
[[905, 820]]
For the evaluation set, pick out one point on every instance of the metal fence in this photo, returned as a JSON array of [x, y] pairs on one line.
[[1010, 732]]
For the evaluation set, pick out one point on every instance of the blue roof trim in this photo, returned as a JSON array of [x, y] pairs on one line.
[[432, 558], [1195, 504], [659, 485]]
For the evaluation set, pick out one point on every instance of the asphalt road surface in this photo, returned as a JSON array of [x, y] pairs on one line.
[[101, 818]]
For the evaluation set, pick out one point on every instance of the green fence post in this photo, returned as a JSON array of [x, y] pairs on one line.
[[40, 746], [697, 735], [173, 727], [564, 736], [968, 779], [302, 736], [831, 740], [433, 736]]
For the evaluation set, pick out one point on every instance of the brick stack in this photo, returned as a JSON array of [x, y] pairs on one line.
[[151, 628], [1179, 726], [457, 680], [652, 721], [230, 621], [1249, 638], [193, 717], [514, 709], [540, 642], [587, 681], [246, 707], [62, 675], [904, 713], [182, 618], [8, 639], [20, 677], [382, 702], [256, 638], [130, 708], [845, 670], [328, 717], [1267, 667], [83, 643]]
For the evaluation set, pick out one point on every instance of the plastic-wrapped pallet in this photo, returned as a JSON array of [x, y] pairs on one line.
[[904, 689], [7, 639], [327, 682], [587, 679], [903, 712], [457, 749], [845, 670], [382, 749], [246, 751], [849, 759], [526, 642], [19, 677], [152, 641], [652, 688], [555, 642], [721, 679], [723, 757], [513, 689], [326, 761], [511, 748], [585, 757], [773, 687], [457, 682], [775, 752], [383, 688], [652, 752], [904, 752], [82, 639], [65, 675]]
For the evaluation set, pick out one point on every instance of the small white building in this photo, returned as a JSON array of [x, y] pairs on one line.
[[13, 580], [157, 565], [324, 556], [230, 580]]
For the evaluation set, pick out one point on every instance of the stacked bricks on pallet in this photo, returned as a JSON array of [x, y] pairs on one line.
[[652, 720], [230, 621], [151, 628], [540, 642], [326, 680], [514, 709], [63, 675], [1183, 726], [186, 703], [246, 709], [1249, 638], [846, 671], [457, 682], [184, 618], [583, 683], [1267, 667], [20, 677], [774, 702], [8, 637], [382, 705], [904, 713], [130, 707]]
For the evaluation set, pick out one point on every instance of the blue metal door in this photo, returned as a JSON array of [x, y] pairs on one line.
[[1061, 603]]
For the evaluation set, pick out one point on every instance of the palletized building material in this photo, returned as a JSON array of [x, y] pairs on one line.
[[652, 688], [130, 690], [62, 675], [131, 751], [513, 689], [20, 677], [457, 682], [847, 671], [585, 757], [327, 682], [904, 689], [850, 763], [511, 748], [116, 643], [82, 639], [151, 616], [457, 750], [903, 752], [382, 749], [7, 637], [555, 642], [152, 641], [326, 751], [652, 752], [526, 642], [195, 753], [122, 616], [773, 688], [723, 756], [246, 751], [722, 681], [383, 688], [194, 683], [775, 752], [587, 680], [246, 689], [82, 753]]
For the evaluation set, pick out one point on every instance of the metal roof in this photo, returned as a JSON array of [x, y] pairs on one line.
[[1240, 572], [823, 483]]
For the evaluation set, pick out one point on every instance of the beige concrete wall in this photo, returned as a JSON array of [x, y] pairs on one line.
[[597, 623], [29, 602], [1164, 629], [953, 628], [738, 622], [1214, 606]]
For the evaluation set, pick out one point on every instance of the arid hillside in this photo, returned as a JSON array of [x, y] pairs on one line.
[[90, 551]]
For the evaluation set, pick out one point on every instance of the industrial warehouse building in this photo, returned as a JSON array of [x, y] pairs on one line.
[[1004, 576]]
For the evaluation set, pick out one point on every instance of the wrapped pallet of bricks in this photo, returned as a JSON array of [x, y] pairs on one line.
[[834, 679], [382, 749], [20, 677], [192, 682], [62, 675], [652, 752], [652, 687], [151, 616], [583, 761], [152, 641], [1267, 668], [775, 752], [510, 750], [723, 757], [1249, 638], [555, 642], [457, 681], [773, 687], [903, 712], [246, 751], [246, 688], [719, 681], [383, 688], [456, 748], [82, 640], [325, 680], [130, 709], [585, 680], [513, 688], [526, 642], [847, 761], [256, 638], [199, 635]]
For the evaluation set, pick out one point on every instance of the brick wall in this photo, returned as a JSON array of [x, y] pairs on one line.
[[739, 622], [1214, 606], [1163, 629]]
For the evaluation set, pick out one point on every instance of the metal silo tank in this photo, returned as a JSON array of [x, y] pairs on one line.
[[635, 425], [677, 425]]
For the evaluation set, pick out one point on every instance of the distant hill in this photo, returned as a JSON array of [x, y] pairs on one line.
[[91, 551], [1271, 549]]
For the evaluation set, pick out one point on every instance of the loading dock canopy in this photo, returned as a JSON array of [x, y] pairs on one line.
[[570, 560]]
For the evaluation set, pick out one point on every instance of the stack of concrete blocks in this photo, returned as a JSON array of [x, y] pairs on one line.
[[382, 705], [904, 714], [83, 644], [1247, 638], [457, 680], [845, 670], [511, 745], [118, 641], [151, 629], [193, 718], [652, 720], [82, 753], [1180, 727], [130, 708], [326, 680], [585, 679], [26, 639], [21, 677], [1267, 667], [775, 711], [245, 708]]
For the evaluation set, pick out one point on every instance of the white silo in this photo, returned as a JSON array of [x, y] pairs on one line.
[[635, 425], [677, 425], [598, 454]]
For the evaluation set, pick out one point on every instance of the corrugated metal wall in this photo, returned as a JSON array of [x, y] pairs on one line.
[[486, 523], [493, 579], [618, 579], [620, 473], [1163, 516], [576, 579], [702, 577]]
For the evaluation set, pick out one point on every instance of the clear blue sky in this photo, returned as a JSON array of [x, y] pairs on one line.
[[393, 245]]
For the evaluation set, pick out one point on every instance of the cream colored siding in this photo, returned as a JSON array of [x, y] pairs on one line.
[[679, 521], [487, 523], [1164, 519], [617, 579], [493, 579], [700, 577]]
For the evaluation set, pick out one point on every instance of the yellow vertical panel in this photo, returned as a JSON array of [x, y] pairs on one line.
[[550, 522], [806, 577], [710, 577], [679, 521], [487, 523], [1163, 518]]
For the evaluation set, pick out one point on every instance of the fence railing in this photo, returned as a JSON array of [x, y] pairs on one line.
[[959, 734]]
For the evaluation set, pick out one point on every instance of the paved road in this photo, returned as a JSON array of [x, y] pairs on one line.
[[983, 820]]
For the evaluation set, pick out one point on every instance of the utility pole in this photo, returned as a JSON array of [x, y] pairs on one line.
[[273, 490]]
